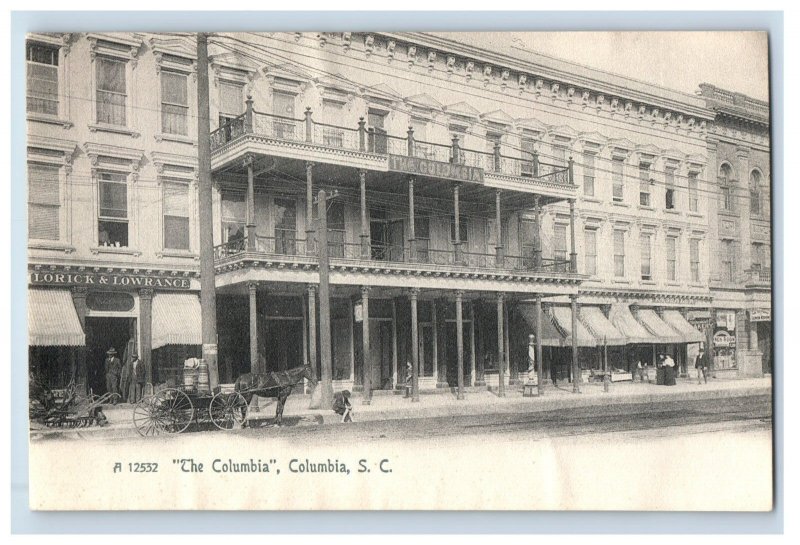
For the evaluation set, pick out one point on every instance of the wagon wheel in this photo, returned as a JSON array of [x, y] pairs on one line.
[[168, 411], [227, 410]]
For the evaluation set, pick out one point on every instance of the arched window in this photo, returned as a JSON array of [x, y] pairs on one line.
[[755, 193], [725, 181]]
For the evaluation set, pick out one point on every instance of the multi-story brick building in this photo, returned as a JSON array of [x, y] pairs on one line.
[[741, 280], [471, 188]]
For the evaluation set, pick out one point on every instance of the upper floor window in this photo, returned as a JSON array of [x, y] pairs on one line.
[[233, 216], [493, 146], [422, 235], [588, 174], [645, 249], [755, 193], [376, 120], [420, 128], [42, 81], [336, 229], [462, 230], [231, 101], [176, 216], [726, 191], [619, 253], [672, 258], [112, 94], [112, 226], [694, 259], [285, 226], [758, 258], [333, 114], [44, 202], [590, 251], [283, 106], [174, 103], [694, 200], [669, 191], [560, 246], [527, 241], [728, 260], [644, 184], [617, 179]]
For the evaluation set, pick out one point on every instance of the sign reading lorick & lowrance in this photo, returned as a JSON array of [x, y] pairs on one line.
[[436, 169], [108, 280]]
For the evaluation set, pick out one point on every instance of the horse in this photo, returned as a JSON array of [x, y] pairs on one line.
[[277, 384]]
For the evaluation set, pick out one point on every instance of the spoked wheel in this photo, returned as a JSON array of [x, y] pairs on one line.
[[168, 411], [227, 411]]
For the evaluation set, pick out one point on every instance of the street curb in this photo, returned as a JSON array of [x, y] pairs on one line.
[[509, 406]]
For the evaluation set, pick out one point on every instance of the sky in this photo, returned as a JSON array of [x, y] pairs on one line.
[[737, 61]]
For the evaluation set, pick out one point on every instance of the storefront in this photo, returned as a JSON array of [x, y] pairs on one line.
[[761, 334], [153, 315], [724, 341]]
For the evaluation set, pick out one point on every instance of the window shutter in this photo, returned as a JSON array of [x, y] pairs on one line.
[[176, 199], [44, 202], [173, 88], [230, 99]]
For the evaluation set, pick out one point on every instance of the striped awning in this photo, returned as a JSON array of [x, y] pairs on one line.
[[563, 319], [603, 330], [176, 319], [52, 319], [687, 332], [653, 322], [623, 320], [550, 335]]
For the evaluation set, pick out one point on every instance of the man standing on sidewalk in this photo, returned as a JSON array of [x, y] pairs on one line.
[[113, 367], [701, 364], [137, 378]]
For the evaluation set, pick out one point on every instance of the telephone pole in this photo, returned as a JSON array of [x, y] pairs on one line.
[[208, 295]]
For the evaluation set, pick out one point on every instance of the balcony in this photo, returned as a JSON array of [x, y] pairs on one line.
[[387, 259], [360, 147], [758, 277]]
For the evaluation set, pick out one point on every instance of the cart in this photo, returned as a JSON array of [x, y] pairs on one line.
[[173, 410], [66, 408]]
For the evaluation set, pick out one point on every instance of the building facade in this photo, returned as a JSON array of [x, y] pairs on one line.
[[741, 281], [475, 198]]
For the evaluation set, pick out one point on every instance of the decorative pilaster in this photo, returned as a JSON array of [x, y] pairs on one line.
[[460, 342], [367, 367], [252, 291], [146, 331], [310, 250], [413, 293], [412, 239], [537, 235], [457, 220], [501, 388], [250, 226], [498, 219], [573, 256], [362, 182], [312, 330]]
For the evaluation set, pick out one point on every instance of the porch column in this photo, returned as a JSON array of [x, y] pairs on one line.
[[573, 256], [81, 373], [310, 250], [472, 357], [362, 182], [394, 343], [435, 342], [499, 243], [312, 330], [412, 247], [413, 294], [146, 332], [460, 343], [501, 388], [537, 235], [250, 206], [252, 288], [367, 367], [576, 372], [539, 362], [513, 375], [457, 235]]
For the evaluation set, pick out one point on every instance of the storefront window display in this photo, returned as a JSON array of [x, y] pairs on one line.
[[725, 339]]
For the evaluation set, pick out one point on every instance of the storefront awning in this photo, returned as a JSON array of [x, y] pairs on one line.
[[550, 335], [563, 319], [687, 332], [176, 319], [603, 330], [52, 319], [623, 320], [653, 322]]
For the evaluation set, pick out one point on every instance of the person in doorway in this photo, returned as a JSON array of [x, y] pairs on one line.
[[137, 378], [641, 372], [125, 381], [112, 369], [701, 364], [669, 371]]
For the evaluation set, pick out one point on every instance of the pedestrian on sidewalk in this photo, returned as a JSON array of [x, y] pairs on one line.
[[113, 368], [669, 371], [137, 378], [701, 364], [125, 379], [342, 405], [409, 378]]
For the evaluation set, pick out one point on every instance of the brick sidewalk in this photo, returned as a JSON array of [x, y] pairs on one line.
[[389, 406]]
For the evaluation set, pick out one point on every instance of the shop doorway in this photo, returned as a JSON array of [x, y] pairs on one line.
[[102, 334], [764, 331], [380, 348]]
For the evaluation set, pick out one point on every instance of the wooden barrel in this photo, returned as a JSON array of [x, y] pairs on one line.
[[203, 384]]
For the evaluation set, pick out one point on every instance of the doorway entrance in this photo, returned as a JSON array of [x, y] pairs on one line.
[[380, 347], [284, 343], [102, 334]]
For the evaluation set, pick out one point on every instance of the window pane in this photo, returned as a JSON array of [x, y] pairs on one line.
[[110, 75], [283, 104], [173, 89], [43, 222], [176, 233], [644, 244], [42, 89], [619, 253], [617, 168], [111, 108], [231, 102], [233, 207], [42, 54], [176, 199], [173, 119], [590, 243], [113, 198], [44, 198]]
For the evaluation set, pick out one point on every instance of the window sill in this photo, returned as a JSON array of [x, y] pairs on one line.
[[51, 119], [697, 215], [728, 213], [51, 245], [643, 207], [672, 211], [648, 282], [759, 217], [589, 198], [620, 203], [102, 127], [697, 285], [178, 253], [620, 281], [162, 137], [672, 284], [119, 250]]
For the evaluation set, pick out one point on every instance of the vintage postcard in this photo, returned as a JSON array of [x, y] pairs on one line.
[[399, 270]]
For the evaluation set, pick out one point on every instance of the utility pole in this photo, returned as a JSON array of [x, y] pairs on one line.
[[208, 295], [325, 386]]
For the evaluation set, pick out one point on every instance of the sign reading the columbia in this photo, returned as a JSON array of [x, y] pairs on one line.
[[110, 280], [426, 167]]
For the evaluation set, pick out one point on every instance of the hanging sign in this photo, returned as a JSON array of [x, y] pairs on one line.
[[435, 169], [110, 280], [723, 339], [761, 315], [358, 312]]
